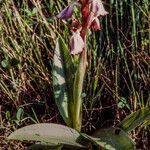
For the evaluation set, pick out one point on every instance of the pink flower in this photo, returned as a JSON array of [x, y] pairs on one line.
[[76, 43], [97, 8], [68, 11]]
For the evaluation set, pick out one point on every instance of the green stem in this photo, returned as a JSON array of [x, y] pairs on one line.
[[77, 91]]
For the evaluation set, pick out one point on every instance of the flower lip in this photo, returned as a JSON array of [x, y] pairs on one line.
[[76, 43]]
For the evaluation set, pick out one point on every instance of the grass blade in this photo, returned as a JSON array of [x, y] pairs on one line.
[[135, 119]]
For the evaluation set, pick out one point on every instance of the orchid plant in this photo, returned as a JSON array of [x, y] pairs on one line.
[[68, 84], [91, 11]]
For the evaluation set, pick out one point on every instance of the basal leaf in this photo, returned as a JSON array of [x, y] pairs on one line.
[[111, 139], [44, 147], [62, 79], [50, 134], [135, 119]]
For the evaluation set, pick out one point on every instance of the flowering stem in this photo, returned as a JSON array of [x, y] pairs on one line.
[[78, 83], [77, 91]]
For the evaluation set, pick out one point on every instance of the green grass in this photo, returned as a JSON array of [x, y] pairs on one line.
[[118, 72]]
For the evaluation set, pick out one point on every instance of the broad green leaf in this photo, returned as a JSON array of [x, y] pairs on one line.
[[44, 147], [51, 134], [135, 119], [62, 79], [112, 139]]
